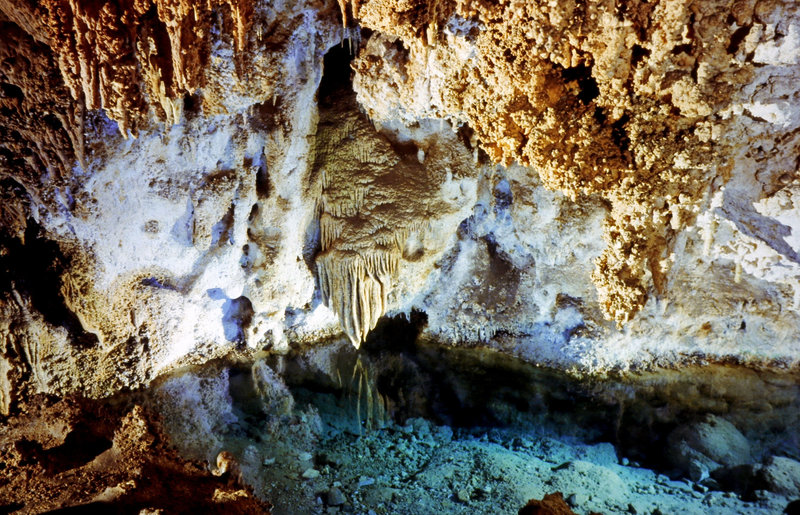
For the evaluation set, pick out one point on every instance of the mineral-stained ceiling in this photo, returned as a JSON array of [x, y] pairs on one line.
[[634, 102]]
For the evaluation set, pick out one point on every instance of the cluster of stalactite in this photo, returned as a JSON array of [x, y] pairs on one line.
[[608, 99], [129, 56]]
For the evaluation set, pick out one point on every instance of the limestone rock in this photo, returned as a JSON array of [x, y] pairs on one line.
[[782, 476], [335, 497], [310, 473], [711, 443], [523, 178], [577, 91], [277, 400]]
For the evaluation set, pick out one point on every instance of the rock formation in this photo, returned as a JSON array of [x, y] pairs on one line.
[[645, 106], [594, 186], [86, 455], [378, 206], [598, 187]]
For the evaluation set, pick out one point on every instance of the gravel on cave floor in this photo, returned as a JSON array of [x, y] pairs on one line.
[[422, 468]]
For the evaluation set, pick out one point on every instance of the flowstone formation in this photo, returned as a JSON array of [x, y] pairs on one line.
[[368, 208], [379, 205]]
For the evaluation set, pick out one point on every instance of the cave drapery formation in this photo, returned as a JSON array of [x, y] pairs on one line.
[[673, 119]]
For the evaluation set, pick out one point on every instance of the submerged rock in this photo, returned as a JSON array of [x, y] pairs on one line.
[[310, 473], [335, 497]]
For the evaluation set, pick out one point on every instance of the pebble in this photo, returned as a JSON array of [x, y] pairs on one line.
[[305, 456], [378, 495], [698, 471], [268, 461], [625, 462], [577, 499], [335, 497], [463, 495], [311, 473], [365, 481]]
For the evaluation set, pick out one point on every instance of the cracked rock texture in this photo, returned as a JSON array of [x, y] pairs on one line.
[[592, 186]]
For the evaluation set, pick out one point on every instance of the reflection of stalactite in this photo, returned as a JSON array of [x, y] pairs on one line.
[[362, 385]]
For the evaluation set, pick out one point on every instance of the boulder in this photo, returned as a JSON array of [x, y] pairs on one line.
[[709, 444], [782, 476], [551, 504]]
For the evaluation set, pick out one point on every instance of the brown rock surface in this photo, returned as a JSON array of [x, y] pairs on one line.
[[107, 52], [551, 504], [75, 453], [41, 135], [617, 100]]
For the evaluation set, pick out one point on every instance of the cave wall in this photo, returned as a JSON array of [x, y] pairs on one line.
[[586, 185]]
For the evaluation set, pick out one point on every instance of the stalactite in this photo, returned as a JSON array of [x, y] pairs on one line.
[[42, 124], [343, 7], [370, 202], [356, 286], [106, 53]]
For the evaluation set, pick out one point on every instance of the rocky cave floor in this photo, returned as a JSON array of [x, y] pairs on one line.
[[421, 467], [409, 431]]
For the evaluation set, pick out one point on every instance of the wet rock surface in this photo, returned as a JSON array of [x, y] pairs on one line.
[[708, 445], [782, 475]]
